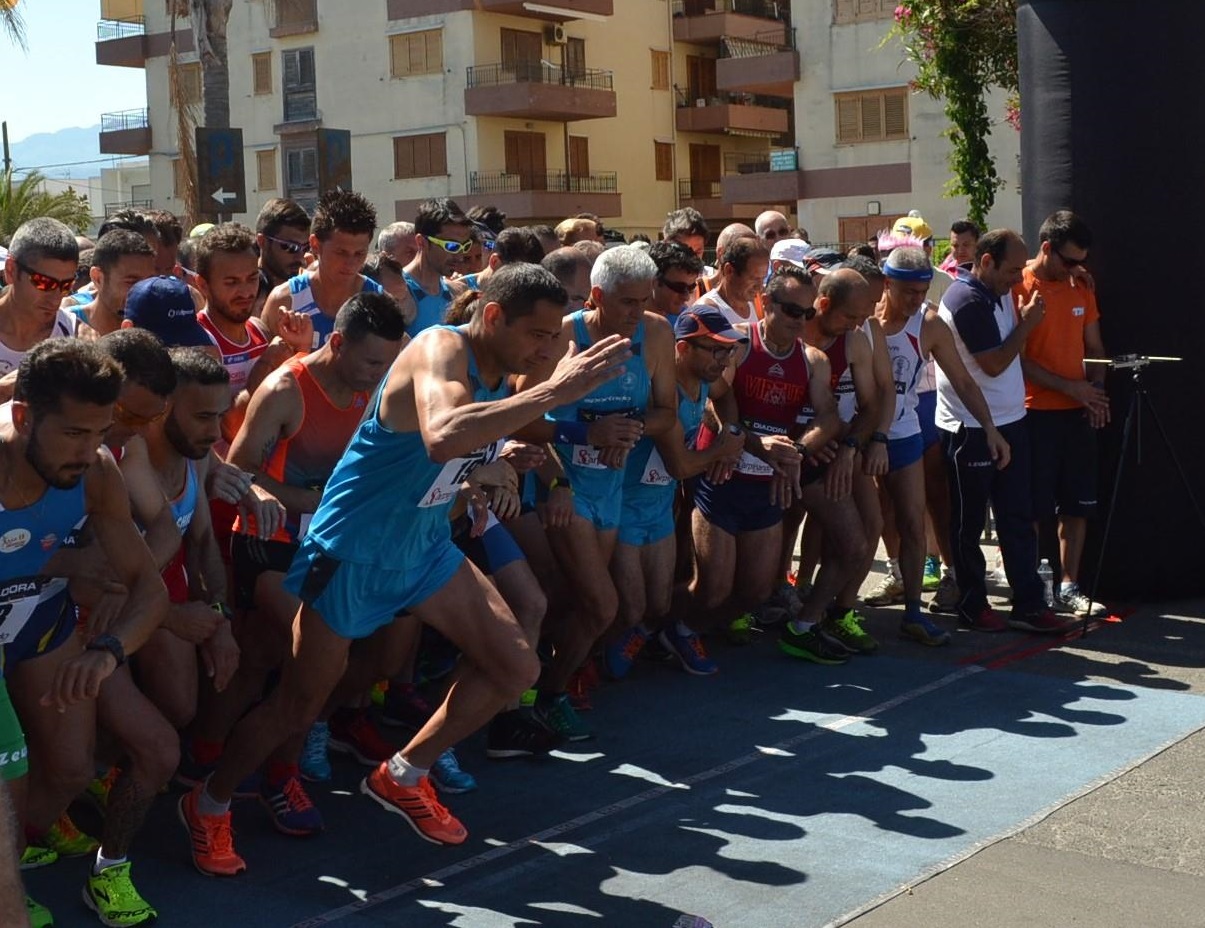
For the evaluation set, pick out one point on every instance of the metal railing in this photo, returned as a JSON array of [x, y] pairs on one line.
[[126, 119], [763, 9], [108, 29], [761, 162], [486, 182], [141, 205], [691, 97], [757, 45], [691, 189], [538, 72]]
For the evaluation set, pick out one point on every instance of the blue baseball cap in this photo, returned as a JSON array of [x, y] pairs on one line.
[[163, 306], [706, 321]]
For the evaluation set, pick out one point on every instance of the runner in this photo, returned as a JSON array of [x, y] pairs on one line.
[[442, 234]]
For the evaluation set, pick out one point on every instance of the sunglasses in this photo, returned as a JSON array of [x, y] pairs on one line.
[[794, 310], [293, 248], [451, 247], [677, 286], [771, 234], [44, 282], [720, 352], [1071, 262], [133, 420]]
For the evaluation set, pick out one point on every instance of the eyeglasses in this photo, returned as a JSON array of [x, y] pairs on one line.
[[45, 282], [794, 310], [720, 352], [772, 234], [1071, 262], [134, 420], [677, 286], [293, 248], [451, 247]]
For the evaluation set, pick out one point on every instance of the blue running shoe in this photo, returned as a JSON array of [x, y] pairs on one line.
[[689, 651], [619, 657], [315, 759], [448, 777], [290, 807]]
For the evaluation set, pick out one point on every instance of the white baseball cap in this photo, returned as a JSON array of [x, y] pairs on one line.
[[793, 250]]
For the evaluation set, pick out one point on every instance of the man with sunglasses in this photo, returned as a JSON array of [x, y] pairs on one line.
[[443, 233], [677, 280], [771, 226], [340, 237], [282, 235], [1065, 400]]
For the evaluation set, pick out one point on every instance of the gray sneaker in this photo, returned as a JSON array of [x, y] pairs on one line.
[[945, 599], [889, 592], [1076, 602]]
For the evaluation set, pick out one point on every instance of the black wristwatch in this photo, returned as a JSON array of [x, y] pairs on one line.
[[879, 437], [850, 442], [110, 643]]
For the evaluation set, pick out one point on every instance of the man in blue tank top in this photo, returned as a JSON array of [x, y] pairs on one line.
[[443, 234], [380, 542]]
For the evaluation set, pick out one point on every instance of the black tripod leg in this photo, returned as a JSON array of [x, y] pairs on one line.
[[1127, 433], [1171, 453]]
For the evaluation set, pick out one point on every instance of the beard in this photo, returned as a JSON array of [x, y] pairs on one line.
[[57, 477], [179, 441], [226, 311]]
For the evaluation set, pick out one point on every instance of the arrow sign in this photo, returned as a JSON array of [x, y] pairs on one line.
[[223, 197], [220, 173]]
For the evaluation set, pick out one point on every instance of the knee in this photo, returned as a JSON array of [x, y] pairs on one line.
[[156, 754], [531, 611], [178, 708], [600, 608], [518, 674]]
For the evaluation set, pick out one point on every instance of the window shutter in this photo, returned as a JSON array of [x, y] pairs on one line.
[[843, 11], [848, 120], [663, 156], [434, 51], [261, 72], [895, 114], [265, 169], [872, 116]]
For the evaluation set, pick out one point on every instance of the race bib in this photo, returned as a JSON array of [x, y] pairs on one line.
[[587, 456], [18, 600], [751, 466], [445, 486], [656, 474]]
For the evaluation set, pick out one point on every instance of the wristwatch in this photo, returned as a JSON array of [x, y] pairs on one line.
[[562, 482], [850, 442], [879, 437], [110, 643]]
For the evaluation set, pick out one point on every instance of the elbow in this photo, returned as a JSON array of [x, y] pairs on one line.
[[441, 449]]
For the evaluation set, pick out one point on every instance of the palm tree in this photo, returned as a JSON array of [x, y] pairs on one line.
[[12, 23], [25, 198], [210, 18]]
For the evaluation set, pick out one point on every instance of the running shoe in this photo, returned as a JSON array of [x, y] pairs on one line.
[[1041, 620], [812, 646], [315, 761], [932, 577], [448, 777], [1076, 602], [97, 792], [619, 657], [113, 898], [690, 652], [68, 841], [519, 733], [743, 629], [889, 592], [404, 707], [781, 606], [946, 597], [578, 688], [352, 732], [921, 628], [292, 810], [846, 627], [803, 588], [986, 619], [210, 837], [417, 805], [35, 856], [39, 915], [559, 715]]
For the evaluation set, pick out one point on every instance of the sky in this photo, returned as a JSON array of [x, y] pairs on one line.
[[58, 84]]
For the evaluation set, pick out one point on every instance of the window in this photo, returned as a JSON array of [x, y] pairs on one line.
[[301, 168], [261, 73], [663, 156], [265, 169], [420, 155], [294, 17], [189, 75], [876, 116], [300, 94], [416, 53], [660, 70], [862, 11]]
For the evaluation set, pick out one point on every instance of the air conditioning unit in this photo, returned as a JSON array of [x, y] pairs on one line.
[[555, 35]]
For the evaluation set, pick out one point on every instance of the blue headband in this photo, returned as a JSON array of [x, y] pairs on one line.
[[903, 273]]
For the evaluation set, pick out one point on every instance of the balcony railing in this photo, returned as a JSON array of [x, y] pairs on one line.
[[141, 205], [109, 29], [538, 72], [757, 45], [126, 119], [486, 182], [687, 97], [691, 189], [763, 9]]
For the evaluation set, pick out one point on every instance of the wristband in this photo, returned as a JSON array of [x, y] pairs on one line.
[[850, 442], [562, 482], [879, 437], [571, 433], [110, 643], [223, 609]]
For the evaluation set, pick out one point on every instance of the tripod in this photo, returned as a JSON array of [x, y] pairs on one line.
[[1140, 402]]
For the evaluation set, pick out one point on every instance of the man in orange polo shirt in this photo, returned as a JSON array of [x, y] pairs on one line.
[[1065, 400]]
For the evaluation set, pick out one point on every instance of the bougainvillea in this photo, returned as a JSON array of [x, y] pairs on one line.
[[961, 49]]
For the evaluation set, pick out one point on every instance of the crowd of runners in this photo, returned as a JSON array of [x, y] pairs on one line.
[[264, 491]]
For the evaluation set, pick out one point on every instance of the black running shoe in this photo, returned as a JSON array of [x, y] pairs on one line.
[[518, 733]]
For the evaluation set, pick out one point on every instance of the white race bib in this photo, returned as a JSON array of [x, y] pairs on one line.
[[445, 486], [587, 456], [753, 467], [656, 474]]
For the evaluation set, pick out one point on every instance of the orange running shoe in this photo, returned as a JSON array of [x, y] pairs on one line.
[[211, 837], [418, 806]]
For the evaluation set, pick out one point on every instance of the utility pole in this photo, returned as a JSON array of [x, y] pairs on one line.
[[8, 161]]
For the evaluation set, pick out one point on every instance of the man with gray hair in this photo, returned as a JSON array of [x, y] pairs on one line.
[[592, 438], [397, 240]]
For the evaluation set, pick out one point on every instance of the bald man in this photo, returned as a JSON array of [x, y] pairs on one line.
[[771, 226], [729, 234]]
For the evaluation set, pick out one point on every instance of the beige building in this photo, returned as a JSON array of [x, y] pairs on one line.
[[548, 108]]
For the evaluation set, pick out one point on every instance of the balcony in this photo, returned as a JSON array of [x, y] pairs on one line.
[[557, 11], [772, 177], [707, 197], [758, 65], [706, 22], [142, 206], [534, 90], [733, 114], [121, 42], [547, 195], [125, 133]]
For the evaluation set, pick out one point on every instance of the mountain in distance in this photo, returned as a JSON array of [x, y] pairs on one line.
[[66, 146]]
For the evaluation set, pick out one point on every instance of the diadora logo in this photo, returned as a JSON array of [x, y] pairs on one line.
[[20, 589], [14, 540], [49, 541], [776, 371]]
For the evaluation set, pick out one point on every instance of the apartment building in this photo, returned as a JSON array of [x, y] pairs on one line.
[[547, 108]]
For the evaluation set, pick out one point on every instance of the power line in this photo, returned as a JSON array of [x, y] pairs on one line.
[[70, 164]]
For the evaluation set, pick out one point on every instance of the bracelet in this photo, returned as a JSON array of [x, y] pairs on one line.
[[571, 433]]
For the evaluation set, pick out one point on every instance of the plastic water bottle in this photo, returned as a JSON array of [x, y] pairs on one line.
[[1046, 575]]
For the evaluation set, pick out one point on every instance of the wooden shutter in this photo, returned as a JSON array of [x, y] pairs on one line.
[[872, 116], [849, 122], [579, 156], [261, 72], [416, 53], [265, 169], [663, 157], [420, 155], [895, 114], [660, 70]]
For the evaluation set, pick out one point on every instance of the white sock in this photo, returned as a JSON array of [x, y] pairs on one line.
[[207, 805], [683, 630], [1067, 586], [405, 773], [893, 568], [103, 862], [799, 627]]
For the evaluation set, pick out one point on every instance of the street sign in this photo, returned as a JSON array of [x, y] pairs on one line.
[[221, 178], [334, 159]]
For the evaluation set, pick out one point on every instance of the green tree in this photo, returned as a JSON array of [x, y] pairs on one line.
[[25, 198], [961, 49]]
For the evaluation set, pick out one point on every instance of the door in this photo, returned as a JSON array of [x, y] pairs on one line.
[[579, 159], [521, 53], [525, 157], [705, 163], [854, 230], [700, 79], [573, 60]]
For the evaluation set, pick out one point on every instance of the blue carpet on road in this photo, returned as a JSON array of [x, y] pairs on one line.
[[775, 793]]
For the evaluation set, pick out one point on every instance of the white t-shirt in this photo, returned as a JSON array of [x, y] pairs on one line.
[[713, 299]]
